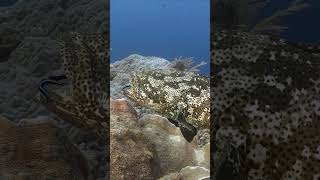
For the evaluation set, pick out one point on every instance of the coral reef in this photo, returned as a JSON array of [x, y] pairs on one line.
[[185, 64], [37, 149], [149, 147], [131, 156]]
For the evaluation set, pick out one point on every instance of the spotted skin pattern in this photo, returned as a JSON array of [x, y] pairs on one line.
[[84, 59], [170, 91], [266, 105]]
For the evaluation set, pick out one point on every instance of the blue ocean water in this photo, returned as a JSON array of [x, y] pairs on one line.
[[302, 26], [164, 28]]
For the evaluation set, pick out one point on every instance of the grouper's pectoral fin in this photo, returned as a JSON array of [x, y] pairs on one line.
[[71, 113], [174, 122], [187, 130]]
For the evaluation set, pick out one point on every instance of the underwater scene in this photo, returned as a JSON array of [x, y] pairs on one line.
[[58, 87], [161, 28], [119, 89], [265, 90], [159, 89]]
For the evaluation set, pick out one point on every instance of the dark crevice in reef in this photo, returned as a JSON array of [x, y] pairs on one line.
[[8, 43]]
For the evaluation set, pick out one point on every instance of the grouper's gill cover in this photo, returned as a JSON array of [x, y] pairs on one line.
[[167, 91]]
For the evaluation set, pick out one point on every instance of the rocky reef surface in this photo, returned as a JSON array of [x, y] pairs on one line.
[[37, 149]]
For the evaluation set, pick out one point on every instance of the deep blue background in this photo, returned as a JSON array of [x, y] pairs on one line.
[[303, 26], [163, 28]]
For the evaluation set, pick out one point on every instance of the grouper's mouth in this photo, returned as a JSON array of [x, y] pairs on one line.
[[127, 91]]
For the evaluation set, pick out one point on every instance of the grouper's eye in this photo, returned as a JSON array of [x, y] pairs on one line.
[[126, 89]]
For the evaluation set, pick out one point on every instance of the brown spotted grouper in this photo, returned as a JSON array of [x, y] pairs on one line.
[[85, 62], [181, 96], [265, 107]]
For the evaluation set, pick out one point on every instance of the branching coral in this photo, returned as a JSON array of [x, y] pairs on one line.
[[185, 64], [269, 25], [242, 14]]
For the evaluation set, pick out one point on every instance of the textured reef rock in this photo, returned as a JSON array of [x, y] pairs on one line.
[[49, 18], [20, 75], [131, 157], [173, 152], [163, 144], [150, 146], [189, 173], [37, 149]]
